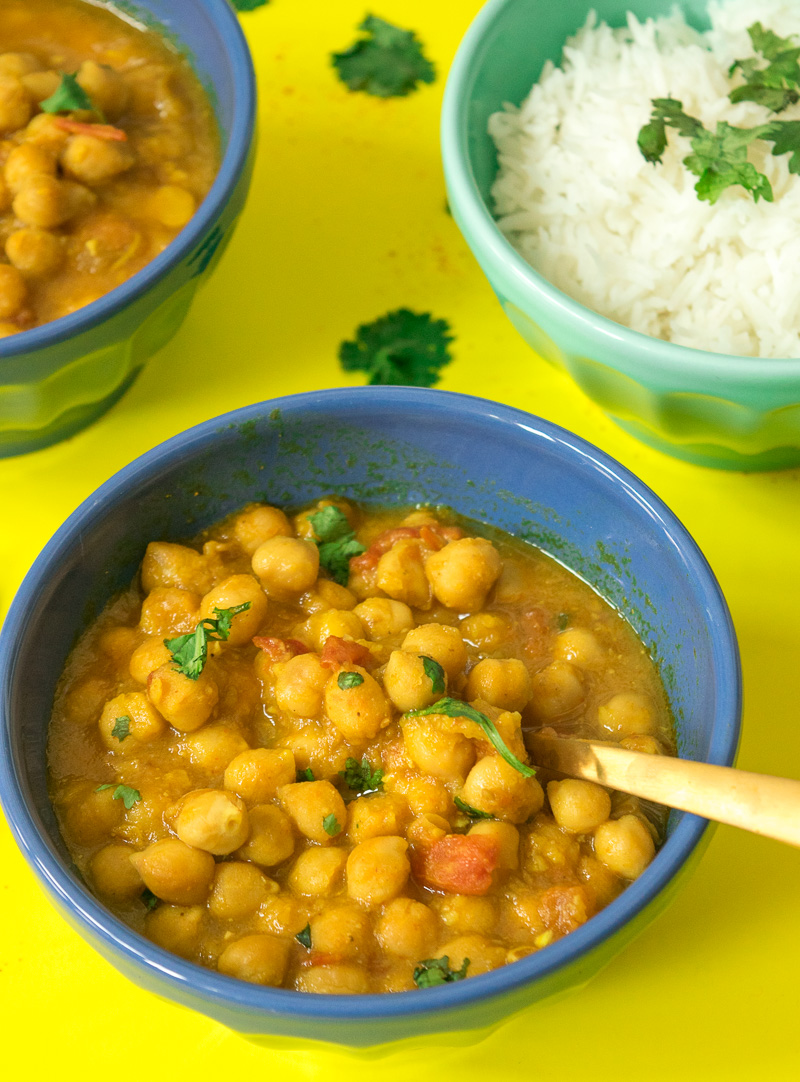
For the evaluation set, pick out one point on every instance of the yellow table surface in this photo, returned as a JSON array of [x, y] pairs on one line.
[[345, 222]]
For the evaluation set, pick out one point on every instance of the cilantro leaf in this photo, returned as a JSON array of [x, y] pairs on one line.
[[775, 86], [122, 727], [434, 971], [718, 158], [387, 61], [190, 651], [336, 542], [785, 134], [402, 347], [304, 937], [331, 826], [454, 708], [467, 809], [149, 899], [68, 96], [435, 673], [360, 777], [562, 621], [125, 793], [347, 680], [305, 775]]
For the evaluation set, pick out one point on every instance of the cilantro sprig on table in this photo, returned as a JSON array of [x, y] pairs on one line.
[[190, 651], [336, 542], [719, 158], [402, 347], [360, 777], [454, 708], [387, 61], [434, 971]]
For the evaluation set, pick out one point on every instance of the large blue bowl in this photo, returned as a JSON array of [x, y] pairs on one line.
[[388, 446], [58, 378]]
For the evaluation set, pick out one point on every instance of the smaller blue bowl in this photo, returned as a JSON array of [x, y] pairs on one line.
[[387, 446], [58, 378]]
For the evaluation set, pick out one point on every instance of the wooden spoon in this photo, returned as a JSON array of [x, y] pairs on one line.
[[755, 802]]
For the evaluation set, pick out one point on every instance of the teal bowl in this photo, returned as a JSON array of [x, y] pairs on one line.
[[709, 408], [58, 378]]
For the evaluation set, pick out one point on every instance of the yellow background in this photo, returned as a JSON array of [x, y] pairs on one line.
[[346, 221]]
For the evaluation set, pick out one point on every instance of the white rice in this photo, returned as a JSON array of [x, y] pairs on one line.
[[629, 239]]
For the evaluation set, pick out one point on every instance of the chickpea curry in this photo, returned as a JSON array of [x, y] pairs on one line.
[[294, 751], [108, 144]]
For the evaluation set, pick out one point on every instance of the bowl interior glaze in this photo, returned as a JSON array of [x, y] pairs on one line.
[[387, 446]]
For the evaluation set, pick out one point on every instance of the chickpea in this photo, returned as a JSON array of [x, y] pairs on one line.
[[148, 657], [166, 564], [376, 815], [627, 713], [13, 291], [465, 913], [407, 928], [342, 931], [444, 644], [300, 684], [330, 595], [556, 690], [186, 704], [426, 795], [257, 524], [40, 85], [377, 870], [580, 646], [176, 928], [648, 745], [494, 786], [401, 574], [93, 161], [318, 872], [25, 162], [108, 90], [35, 252], [302, 525], [113, 874], [168, 610], [44, 130], [507, 838], [233, 591], [359, 713], [171, 205], [578, 806], [564, 907], [406, 682], [238, 890], [486, 630], [427, 828], [144, 723], [46, 202], [504, 683], [118, 643], [18, 64], [7, 329], [212, 820], [259, 959], [624, 845], [603, 884], [437, 751], [92, 815], [175, 872], [271, 840], [286, 566], [339, 622], [309, 804], [482, 953], [283, 915], [548, 846], [257, 774], [384, 617], [333, 980], [85, 700], [213, 747], [15, 106], [463, 572]]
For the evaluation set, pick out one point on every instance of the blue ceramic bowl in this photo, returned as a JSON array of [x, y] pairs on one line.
[[387, 446], [58, 378]]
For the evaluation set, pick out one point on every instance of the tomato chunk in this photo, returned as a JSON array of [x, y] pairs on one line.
[[459, 863], [280, 649], [338, 652]]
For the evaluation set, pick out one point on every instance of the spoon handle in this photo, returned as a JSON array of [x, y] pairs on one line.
[[756, 802]]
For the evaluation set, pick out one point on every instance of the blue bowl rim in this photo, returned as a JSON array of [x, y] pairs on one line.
[[225, 992], [240, 139], [464, 192]]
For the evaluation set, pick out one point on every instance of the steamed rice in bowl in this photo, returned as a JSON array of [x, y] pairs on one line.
[[630, 239]]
